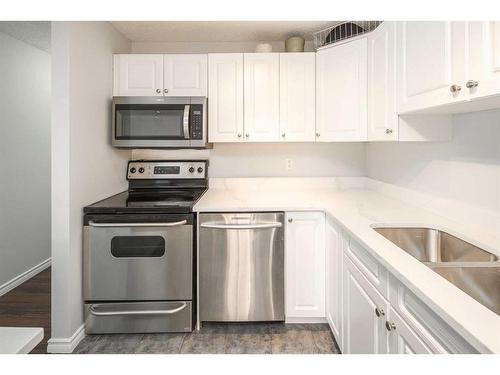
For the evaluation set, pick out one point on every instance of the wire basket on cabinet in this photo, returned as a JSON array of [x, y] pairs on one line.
[[342, 31]]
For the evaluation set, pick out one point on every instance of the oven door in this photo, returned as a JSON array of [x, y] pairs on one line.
[[151, 122], [138, 261]]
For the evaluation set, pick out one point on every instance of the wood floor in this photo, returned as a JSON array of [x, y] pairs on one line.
[[28, 305]]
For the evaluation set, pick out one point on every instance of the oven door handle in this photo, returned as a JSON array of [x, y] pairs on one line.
[[242, 226], [185, 121], [94, 312], [172, 224]]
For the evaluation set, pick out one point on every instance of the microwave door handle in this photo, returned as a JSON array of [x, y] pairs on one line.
[[172, 224], [185, 121]]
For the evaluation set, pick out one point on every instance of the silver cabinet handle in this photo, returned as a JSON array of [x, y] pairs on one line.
[[239, 135], [471, 84], [242, 226], [165, 91], [290, 220], [283, 135], [379, 312], [247, 135], [388, 131], [185, 121], [105, 225], [317, 135], [94, 312], [455, 88], [158, 91], [390, 326]]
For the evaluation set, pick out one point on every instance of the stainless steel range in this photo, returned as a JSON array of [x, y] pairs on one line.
[[138, 255]]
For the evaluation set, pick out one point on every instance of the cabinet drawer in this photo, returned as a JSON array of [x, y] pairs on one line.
[[433, 330], [369, 266]]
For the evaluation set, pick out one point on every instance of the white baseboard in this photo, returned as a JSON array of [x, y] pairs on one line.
[[25, 276], [66, 345], [305, 320]]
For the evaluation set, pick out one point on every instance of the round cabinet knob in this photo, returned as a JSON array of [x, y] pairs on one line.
[[317, 135], [191, 170], [379, 312], [290, 220], [132, 170], [283, 135], [200, 169], [239, 135], [247, 135], [388, 131], [471, 84], [158, 91], [455, 88], [165, 91], [390, 326], [141, 170]]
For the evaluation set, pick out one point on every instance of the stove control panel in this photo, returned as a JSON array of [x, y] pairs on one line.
[[145, 169]]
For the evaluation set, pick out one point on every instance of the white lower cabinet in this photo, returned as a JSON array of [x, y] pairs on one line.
[[305, 266], [364, 311], [402, 339], [333, 290]]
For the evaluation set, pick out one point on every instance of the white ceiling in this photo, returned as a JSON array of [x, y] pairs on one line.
[[36, 33], [218, 31]]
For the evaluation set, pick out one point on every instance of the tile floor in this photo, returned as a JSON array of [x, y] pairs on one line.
[[218, 338]]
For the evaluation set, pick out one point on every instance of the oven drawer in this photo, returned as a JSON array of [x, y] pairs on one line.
[[138, 261], [139, 317]]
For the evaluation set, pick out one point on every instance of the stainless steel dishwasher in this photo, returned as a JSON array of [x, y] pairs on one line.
[[241, 267]]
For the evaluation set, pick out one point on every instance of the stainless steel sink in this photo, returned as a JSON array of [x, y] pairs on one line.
[[470, 268], [433, 245], [481, 283]]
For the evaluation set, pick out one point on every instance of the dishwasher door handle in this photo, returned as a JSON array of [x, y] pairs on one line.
[[242, 226], [94, 312], [172, 224]]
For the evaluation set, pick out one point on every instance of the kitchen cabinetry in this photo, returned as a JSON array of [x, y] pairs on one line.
[[160, 75], [305, 266], [138, 75], [261, 97], [364, 312], [185, 75], [341, 92], [382, 115], [333, 289], [297, 97], [225, 90]]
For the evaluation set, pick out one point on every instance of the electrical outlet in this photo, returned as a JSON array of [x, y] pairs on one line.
[[289, 164]]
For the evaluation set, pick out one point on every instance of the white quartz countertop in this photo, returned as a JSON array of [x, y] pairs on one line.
[[19, 340], [357, 209]]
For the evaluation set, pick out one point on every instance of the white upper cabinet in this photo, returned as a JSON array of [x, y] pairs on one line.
[[225, 90], [297, 96], [341, 92], [261, 97], [138, 75], [484, 59], [185, 75], [305, 266], [431, 64], [382, 116]]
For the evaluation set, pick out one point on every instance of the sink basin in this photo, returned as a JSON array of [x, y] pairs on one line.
[[435, 246], [481, 283]]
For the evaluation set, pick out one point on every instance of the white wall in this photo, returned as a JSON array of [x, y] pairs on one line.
[[269, 159], [85, 166], [467, 169], [207, 47], [25, 156]]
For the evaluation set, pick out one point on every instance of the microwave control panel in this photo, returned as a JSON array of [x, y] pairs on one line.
[[196, 117]]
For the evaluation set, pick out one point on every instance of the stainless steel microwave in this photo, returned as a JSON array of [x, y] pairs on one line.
[[159, 122]]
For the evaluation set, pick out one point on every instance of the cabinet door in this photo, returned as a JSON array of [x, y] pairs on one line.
[[363, 331], [185, 75], [341, 84], [138, 75], [297, 97], [305, 265], [261, 97], [402, 339], [334, 280], [484, 58], [431, 59], [382, 116], [225, 90]]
